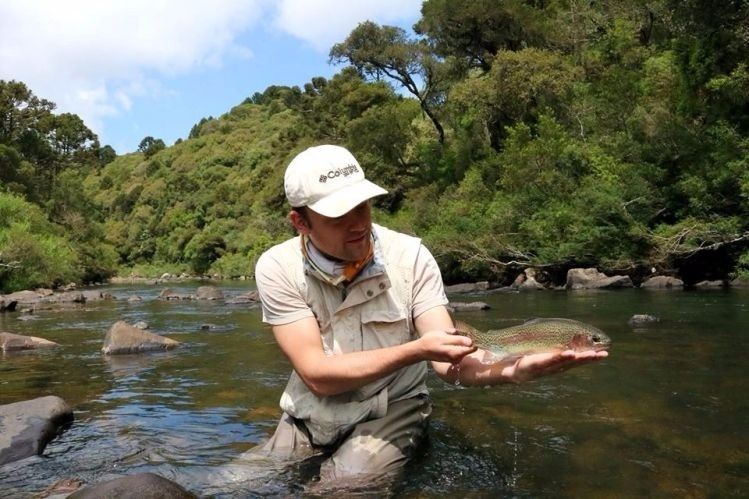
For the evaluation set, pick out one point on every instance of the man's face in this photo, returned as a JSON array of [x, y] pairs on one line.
[[345, 238]]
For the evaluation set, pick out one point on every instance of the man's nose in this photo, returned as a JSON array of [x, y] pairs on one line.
[[356, 223], [356, 220]]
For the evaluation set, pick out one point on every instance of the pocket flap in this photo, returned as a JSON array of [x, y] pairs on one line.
[[372, 315]]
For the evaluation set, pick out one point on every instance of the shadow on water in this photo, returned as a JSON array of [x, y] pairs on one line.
[[665, 415]]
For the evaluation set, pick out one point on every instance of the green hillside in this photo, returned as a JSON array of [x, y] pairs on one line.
[[509, 134]]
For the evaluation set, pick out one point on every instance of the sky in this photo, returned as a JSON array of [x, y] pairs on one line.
[[138, 68]]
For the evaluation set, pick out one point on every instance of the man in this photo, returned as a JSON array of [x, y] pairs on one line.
[[357, 309]]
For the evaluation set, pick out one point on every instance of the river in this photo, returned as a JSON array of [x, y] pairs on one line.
[[665, 415]]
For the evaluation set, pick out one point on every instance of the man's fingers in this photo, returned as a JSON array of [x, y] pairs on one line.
[[459, 339]]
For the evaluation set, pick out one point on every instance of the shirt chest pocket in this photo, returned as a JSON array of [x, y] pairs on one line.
[[384, 327]]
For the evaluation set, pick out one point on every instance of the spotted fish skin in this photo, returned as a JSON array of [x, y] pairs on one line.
[[537, 335]]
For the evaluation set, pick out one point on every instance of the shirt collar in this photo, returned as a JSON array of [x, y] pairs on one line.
[[331, 271]]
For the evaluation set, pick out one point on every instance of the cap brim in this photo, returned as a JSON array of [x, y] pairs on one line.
[[346, 199]]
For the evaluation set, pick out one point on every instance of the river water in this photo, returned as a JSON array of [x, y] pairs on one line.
[[666, 415]]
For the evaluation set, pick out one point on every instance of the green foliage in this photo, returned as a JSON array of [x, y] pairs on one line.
[[33, 253], [514, 133], [476, 30], [106, 155], [387, 51], [742, 269], [150, 146]]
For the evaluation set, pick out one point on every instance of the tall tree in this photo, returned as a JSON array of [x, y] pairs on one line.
[[68, 134], [475, 30], [20, 110], [387, 51], [150, 146]]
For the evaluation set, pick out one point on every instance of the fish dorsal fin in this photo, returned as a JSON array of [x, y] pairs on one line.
[[541, 320], [466, 329]]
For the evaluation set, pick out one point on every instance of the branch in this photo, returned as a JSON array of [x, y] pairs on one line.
[[714, 246], [675, 245], [10, 265], [480, 255]]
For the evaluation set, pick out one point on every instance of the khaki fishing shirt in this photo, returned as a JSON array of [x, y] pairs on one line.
[[376, 310]]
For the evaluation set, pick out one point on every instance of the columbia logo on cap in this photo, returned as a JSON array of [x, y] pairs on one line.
[[328, 180], [348, 170]]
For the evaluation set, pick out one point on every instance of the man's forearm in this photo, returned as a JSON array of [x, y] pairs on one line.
[[334, 374]]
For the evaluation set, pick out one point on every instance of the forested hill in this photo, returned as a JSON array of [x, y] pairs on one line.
[[509, 134]]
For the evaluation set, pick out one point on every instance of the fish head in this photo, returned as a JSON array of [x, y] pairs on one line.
[[590, 338]]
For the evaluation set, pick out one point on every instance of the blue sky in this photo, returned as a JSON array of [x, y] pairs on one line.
[[155, 67]]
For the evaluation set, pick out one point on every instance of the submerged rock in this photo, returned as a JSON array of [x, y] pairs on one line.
[[662, 282], [137, 486], [96, 295], [122, 338], [459, 306], [245, 298], [639, 319], [12, 341], [170, 294], [26, 427], [46, 298], [209, 293], [710, 284], [468, 287]]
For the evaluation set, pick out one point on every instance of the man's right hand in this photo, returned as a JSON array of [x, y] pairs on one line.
[[445, 346]]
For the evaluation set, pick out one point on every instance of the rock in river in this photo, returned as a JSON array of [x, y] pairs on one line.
[[591, 278], [26, 427], [138, 486], [12, 341], [123, 338]]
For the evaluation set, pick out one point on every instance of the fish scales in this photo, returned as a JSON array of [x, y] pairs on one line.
[[538, 335]]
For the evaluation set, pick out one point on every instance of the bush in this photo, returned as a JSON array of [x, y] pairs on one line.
[[33, 260]]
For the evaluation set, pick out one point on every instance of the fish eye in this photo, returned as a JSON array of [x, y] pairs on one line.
[[596, 338]]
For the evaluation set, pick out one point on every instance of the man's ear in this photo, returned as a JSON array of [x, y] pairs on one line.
[[299, 222]]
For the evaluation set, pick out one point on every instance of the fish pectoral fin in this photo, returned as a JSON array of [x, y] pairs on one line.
[[491, 357], [466, 329]]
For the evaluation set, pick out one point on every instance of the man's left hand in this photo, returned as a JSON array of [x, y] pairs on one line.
[[536, 365]]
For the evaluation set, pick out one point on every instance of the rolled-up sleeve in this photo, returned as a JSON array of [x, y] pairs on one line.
[[282, 303], [428, 291]]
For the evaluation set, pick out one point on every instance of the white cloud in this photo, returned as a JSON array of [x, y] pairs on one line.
[[97, 58], [94, 58], [323, 23]]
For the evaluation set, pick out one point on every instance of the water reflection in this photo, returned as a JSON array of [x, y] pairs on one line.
[[665, 415]]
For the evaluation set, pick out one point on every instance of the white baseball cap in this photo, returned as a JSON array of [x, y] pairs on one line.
[[328, 180]]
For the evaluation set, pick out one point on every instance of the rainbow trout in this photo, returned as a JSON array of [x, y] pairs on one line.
[[537, 335]]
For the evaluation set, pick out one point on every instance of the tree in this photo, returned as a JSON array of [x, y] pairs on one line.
[[518, 87], [150, 146], [335, 103], [195, 130], [475, 30], [68, 134], [386, 51], [20, 110], [106, 155]]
